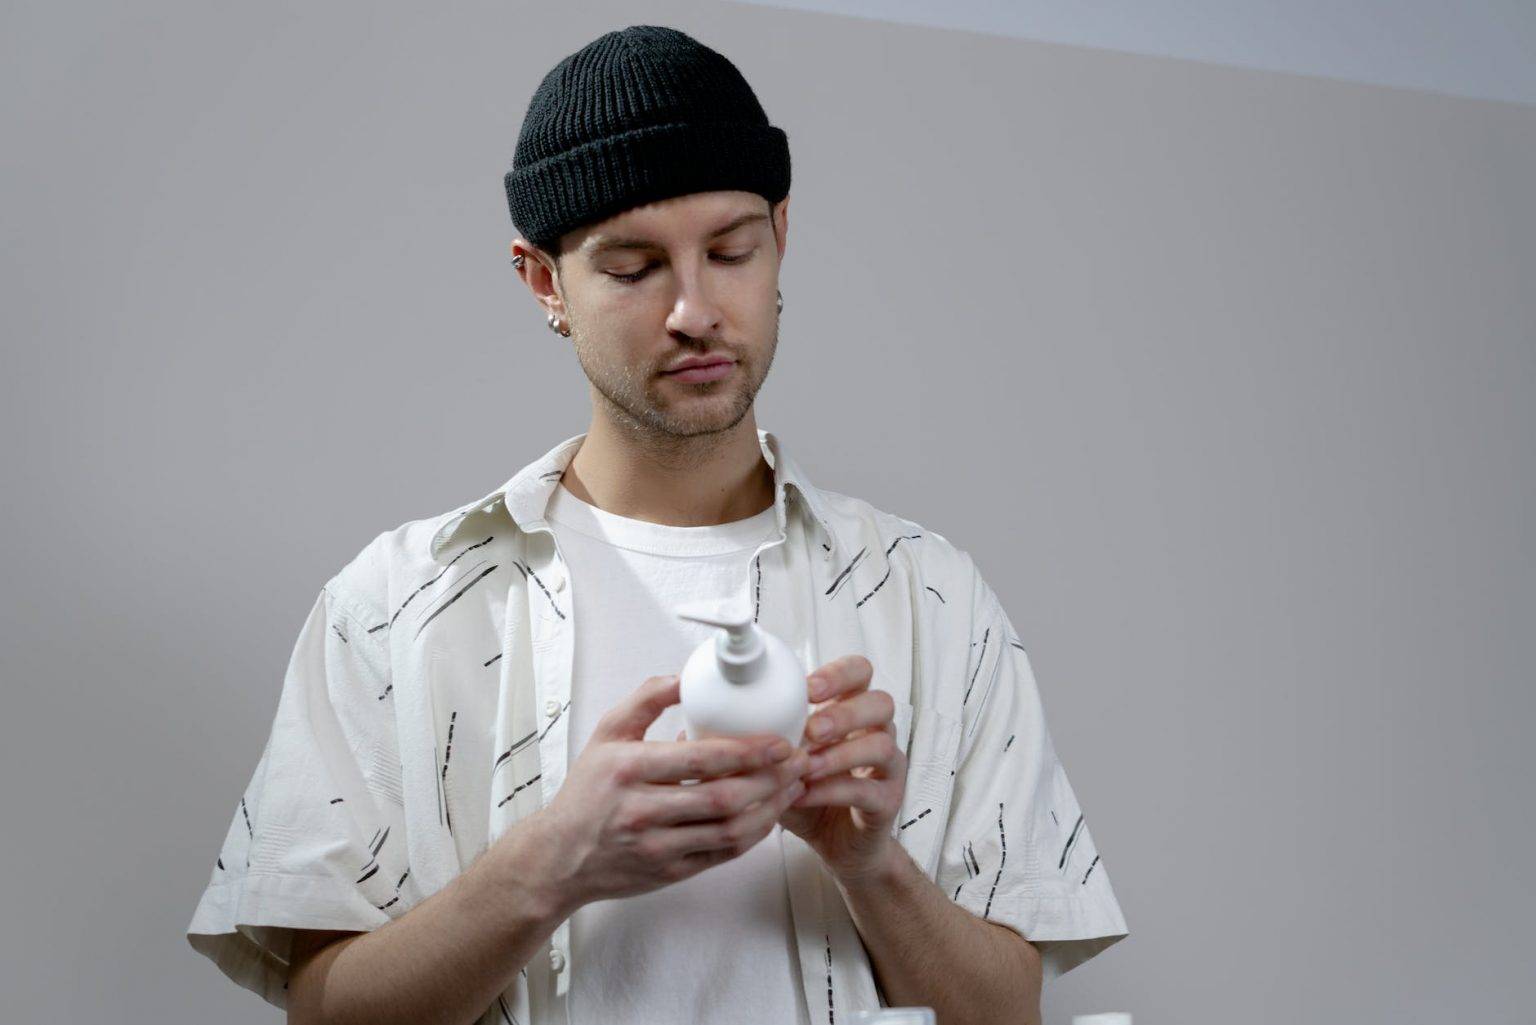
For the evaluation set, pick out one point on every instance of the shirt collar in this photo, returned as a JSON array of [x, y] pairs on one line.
[[526, 495]]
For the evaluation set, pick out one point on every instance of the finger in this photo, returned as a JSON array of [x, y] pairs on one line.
[[840, 676], [716, 799], [672, 761], [740, 832], [867, 795], [876, 749], [692, 864], [869, 708], [632, 716]]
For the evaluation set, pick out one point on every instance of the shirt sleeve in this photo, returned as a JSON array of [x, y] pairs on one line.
[[1017, 849], [317, 838]]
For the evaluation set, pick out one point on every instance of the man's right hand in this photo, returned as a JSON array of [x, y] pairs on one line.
[[624, 823]]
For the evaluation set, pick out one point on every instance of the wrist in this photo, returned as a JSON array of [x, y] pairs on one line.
[[884, 871], [524, 868]]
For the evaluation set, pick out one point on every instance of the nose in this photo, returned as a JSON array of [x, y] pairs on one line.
[[694, 311]]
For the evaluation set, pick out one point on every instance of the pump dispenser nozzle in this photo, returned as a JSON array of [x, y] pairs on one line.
[[739, 645], [744, 680]]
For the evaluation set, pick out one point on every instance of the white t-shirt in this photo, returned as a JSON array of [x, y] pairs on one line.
[[718, 947]]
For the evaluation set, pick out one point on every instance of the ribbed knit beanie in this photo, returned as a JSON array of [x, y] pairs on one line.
[[638, 115]]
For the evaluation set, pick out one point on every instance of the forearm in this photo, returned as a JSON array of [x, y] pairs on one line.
[[447, 959], [927, 951]]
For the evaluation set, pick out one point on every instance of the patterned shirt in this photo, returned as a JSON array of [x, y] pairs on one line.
[[424, 711]]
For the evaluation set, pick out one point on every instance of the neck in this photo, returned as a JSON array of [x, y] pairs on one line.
[[696, 481]]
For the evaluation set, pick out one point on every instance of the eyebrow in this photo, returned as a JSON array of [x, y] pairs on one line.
[[605, 244]]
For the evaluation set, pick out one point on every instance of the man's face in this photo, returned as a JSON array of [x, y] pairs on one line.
[[689, 276]]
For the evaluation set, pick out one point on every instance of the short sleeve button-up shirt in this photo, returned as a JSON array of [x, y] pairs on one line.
[[424, 711]]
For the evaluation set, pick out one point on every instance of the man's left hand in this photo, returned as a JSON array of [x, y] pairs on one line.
[[858, 773]]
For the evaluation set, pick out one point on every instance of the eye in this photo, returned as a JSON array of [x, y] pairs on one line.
[[634, 276]]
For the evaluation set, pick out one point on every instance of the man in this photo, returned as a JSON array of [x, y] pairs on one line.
[[417, 845]]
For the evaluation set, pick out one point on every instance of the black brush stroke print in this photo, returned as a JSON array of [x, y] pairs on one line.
[[519, 789], [831, 1004], [1003, 840], [447, 754], [888, 567], [412, 597], [456, 596], [1070, 841], [979, 659], [844, 575], [527, 572], [514, 749]]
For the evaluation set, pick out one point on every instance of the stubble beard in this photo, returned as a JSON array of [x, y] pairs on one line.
[[646, 405]]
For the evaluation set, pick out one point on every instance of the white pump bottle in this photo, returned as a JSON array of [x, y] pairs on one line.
[[744, 680]]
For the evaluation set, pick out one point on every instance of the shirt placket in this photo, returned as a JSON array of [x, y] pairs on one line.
[[549, 594]]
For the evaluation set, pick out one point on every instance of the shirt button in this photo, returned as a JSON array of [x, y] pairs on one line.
[[551, 708], [556, 960], [559, 580]]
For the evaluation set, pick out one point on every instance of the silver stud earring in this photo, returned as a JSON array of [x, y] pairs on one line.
[[517, 261], [781, 302], [555, 326]]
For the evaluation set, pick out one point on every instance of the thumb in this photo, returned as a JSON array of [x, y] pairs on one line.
[[631, 717]]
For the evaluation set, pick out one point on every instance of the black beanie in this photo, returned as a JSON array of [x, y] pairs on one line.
[[638, 115]]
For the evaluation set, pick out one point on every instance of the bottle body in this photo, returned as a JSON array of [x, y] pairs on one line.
[[769, 696]]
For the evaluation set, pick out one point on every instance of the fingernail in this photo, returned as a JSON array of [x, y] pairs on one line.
[[819, 728], [818, 688], [779, 750]]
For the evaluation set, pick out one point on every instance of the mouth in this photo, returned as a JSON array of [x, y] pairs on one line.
[[702, 372]]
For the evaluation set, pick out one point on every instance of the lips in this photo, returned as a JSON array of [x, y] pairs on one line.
[[698, 364], [704, 371]]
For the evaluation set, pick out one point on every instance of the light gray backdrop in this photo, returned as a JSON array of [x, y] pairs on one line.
[[1223, 376]]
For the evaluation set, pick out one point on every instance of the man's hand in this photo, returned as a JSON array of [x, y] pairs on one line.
[[623, 823], [857, 774]]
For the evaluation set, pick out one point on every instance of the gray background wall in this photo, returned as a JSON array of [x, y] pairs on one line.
[[1223, 376]]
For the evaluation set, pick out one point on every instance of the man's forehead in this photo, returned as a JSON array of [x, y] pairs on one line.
[[645, 228]]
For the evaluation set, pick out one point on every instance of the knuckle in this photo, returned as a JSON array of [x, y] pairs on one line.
[[623, 771], [696, 764], [720, 801]]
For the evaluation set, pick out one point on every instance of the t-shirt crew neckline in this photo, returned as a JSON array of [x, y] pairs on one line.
[[585, 518]]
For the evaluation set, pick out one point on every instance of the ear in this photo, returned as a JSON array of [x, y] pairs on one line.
[[538, 273], [780, 215]]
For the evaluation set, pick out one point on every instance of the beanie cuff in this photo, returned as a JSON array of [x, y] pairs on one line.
[[607, 176]]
